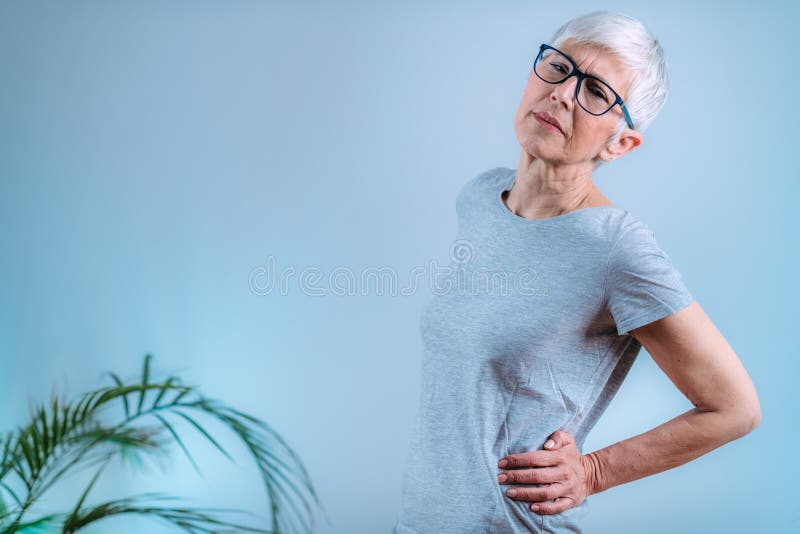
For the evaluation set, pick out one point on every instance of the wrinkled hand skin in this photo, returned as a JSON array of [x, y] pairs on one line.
[[561, 465]]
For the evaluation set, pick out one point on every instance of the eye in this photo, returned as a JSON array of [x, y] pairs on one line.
[[599, 94], [559, 67], [596, 90]]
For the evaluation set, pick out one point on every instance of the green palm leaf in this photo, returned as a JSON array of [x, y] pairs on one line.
[[189, 519], [66, 437]]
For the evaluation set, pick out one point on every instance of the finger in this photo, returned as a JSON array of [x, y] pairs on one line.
[[562, 438], [555, 506], [538, 475], [535, 495], [537, 458], [557, 439]]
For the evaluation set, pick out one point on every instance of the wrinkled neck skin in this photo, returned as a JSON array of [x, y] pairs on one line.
[[543, 189]]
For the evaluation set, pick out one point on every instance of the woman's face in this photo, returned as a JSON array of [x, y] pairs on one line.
[[584, 135]]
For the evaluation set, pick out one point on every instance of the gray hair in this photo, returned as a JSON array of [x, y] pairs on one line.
[[637, 48]]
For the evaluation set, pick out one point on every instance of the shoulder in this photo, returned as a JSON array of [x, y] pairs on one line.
[[486, 178], [477, 187], [635, 247], [632, 233]]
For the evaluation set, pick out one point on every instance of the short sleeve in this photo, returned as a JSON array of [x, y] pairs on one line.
[[642, 284]]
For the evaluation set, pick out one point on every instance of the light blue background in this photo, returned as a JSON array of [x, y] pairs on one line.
[[153, 154]]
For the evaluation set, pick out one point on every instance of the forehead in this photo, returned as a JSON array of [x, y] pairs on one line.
[[600, 62]]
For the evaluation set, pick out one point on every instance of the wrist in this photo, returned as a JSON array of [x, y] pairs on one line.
[[593, 473]]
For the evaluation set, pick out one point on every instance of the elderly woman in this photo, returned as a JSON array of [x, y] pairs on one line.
[[514, 380]]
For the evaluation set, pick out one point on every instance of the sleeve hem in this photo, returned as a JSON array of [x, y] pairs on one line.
[[653, 315]]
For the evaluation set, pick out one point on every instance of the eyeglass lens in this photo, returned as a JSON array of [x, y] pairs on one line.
[[594, 96]]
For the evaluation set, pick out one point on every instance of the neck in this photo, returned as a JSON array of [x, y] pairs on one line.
[[542, 190]]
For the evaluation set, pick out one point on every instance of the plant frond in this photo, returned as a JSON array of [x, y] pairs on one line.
[[206, 434], [12, 493], [179, 440], [119, 383], [66, 437], [255, 434], [145, 376], [190, 519], [41, 524], [77, 509], [167, 385]]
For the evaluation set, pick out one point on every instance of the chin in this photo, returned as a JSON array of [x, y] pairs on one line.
[[534, 145]]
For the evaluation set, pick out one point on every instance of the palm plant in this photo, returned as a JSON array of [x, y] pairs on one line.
[[86, 434]]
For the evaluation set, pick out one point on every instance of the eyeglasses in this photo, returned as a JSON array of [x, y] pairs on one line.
[[595, 96]]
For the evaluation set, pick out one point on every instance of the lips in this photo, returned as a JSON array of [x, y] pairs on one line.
[[546, 117]]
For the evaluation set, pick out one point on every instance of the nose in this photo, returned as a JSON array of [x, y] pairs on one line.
[[564, 93]]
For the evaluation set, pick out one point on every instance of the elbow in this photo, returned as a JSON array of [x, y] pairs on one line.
[[739, 420], [748, 419], [745, 414], [755, 418], [754, 413]]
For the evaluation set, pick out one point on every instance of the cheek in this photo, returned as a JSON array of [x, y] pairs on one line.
[[587, 129], [536, 92]]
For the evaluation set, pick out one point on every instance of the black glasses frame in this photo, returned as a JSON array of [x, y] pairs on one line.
[[581, 76]]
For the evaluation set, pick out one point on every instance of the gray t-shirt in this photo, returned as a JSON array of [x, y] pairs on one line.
[[530, 335]]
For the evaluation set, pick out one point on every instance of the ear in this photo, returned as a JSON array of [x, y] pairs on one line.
[[627, 141]]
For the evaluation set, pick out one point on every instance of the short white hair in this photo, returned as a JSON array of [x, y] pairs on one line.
[[629, 40]]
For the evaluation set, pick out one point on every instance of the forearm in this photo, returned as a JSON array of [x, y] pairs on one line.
[[669, 445]]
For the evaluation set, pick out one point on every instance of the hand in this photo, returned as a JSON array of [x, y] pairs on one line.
[[561, 465]]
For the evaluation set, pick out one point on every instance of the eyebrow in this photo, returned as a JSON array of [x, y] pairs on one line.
[[589, 73]]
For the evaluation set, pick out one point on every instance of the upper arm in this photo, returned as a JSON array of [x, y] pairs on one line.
[[648, 299], [697, 358]]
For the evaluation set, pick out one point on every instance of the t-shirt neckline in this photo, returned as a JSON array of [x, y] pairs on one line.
[[506, 184]]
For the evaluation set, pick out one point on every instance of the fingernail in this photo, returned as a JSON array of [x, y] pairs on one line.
[[549, 443], [511, 493], [503, 463], [501, 478], [535, 507]]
